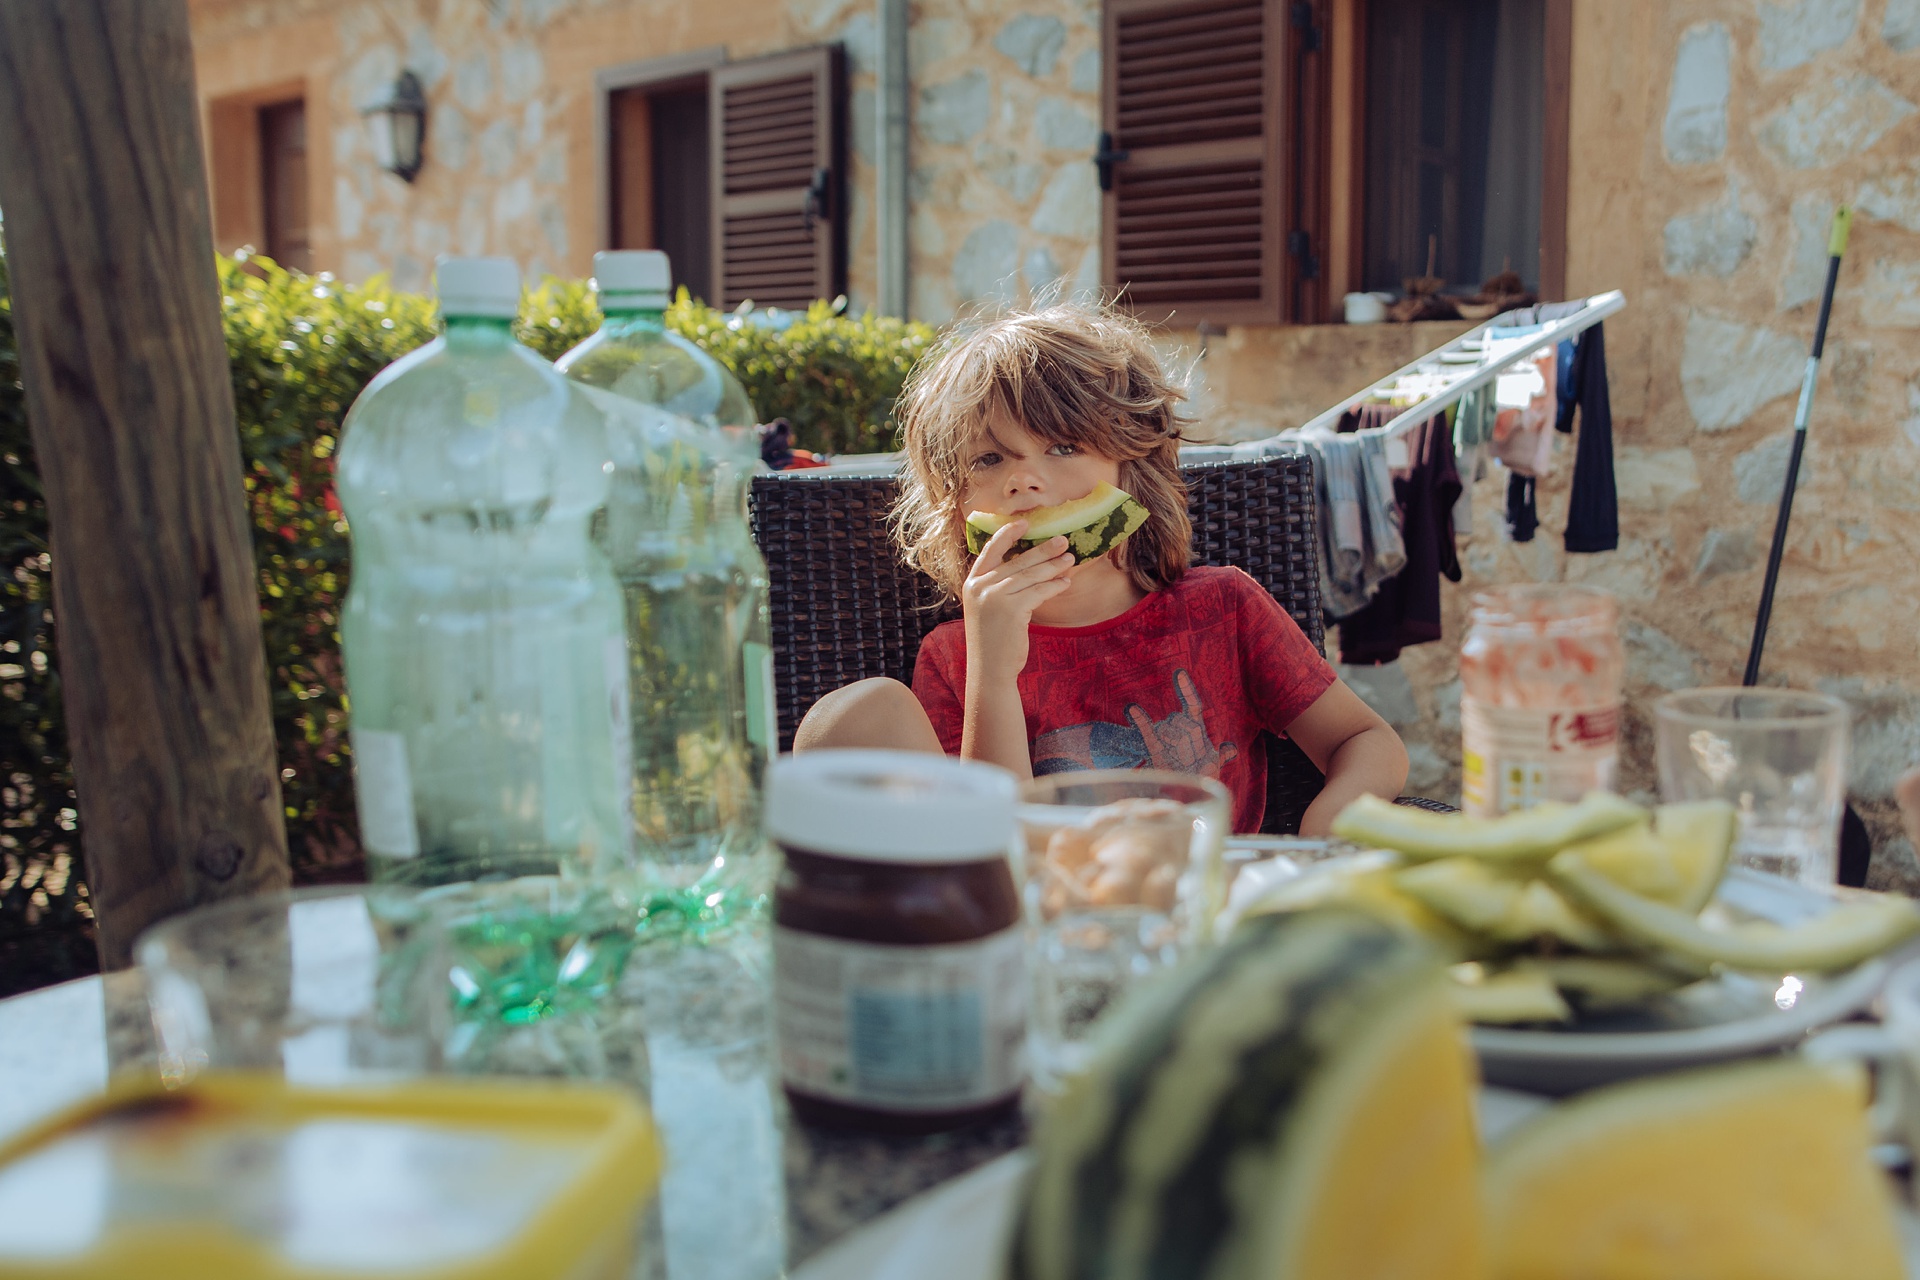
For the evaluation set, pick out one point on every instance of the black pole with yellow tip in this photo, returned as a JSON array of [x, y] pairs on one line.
[[1836, 246]]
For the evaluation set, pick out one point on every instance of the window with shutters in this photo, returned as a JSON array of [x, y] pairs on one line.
[[1264, 157], [1190, 163], [733, 169], [779, 232]]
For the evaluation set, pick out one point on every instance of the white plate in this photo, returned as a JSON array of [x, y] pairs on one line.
[[1731, 1016]]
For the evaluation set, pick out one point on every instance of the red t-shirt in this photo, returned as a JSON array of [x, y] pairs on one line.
[[1186, 680]]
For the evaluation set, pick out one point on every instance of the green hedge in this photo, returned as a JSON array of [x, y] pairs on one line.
[[301, 349], [44, 916], [833, 376]]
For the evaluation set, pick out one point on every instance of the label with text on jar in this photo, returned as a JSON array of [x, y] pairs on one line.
[[1515, 757], [937, 1028]]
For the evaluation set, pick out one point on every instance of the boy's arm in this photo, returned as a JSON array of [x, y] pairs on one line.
[[1358, 751], [997, 602], [995, 728]]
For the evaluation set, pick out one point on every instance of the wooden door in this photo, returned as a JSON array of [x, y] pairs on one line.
[[283, 180]]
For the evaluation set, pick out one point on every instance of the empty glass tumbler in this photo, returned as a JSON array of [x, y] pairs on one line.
[[1779, 755], [325, 986], [1121, 876]]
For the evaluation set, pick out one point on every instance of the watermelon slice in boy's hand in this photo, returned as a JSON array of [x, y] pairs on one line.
[[1093, 525]]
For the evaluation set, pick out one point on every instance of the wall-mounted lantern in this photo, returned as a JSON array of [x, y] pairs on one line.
[[398, 127]]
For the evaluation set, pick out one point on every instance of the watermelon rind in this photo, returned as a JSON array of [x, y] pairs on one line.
[[1093, 525], [1190, 1147], [1855, 931]]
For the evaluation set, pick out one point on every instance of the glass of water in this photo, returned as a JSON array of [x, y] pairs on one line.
[[1778, 755], [1121, 875], [326, 986]]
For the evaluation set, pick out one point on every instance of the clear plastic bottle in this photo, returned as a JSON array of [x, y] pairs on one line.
[[1541, 672], [483, 630], [695, 587]]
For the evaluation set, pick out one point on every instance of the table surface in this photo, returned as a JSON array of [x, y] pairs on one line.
[[59, 1045]]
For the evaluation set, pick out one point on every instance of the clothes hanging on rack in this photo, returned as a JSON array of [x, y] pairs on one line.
[[1593, 508], [1360, 543], [1523, 518], [1367, 417], [1472, 433], [1406, 608], [1526, 402], [1593, 520]]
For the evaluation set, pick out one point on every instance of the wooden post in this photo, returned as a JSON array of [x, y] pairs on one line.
[[116, 304]]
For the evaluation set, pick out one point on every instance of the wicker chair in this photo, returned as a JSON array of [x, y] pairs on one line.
[[845, 607]]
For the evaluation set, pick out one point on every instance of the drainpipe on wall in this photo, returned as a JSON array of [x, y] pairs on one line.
[[891, 171]]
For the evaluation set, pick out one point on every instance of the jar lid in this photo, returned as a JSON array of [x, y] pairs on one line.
[[891, 806]]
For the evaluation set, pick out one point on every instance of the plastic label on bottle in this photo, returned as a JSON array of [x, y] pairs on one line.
[[1517, 757], [763, 714], [384, 786], [620, 717], [938, 1028]]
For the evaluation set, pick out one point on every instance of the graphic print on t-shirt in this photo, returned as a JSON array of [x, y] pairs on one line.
[[1179, 742]]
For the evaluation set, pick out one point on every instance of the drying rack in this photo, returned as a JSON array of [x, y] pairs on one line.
[[1550, 333]]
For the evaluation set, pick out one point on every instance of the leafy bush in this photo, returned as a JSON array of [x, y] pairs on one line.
[[833, 376], [301, 349], [45, 918]]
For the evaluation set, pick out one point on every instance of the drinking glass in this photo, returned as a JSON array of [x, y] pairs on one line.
[[326, 986], [1121, 875], [1778, 755]]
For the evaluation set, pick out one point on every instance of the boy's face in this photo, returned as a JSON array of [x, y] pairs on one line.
[[1010, 470]]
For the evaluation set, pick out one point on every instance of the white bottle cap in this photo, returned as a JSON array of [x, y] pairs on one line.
[[478, 287], [633, 279], [891, 806]]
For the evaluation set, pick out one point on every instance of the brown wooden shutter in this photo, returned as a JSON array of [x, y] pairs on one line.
[[1193, 227], [778, 193]]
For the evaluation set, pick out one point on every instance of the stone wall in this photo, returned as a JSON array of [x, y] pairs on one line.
[[1006, 115], [1711, 141]]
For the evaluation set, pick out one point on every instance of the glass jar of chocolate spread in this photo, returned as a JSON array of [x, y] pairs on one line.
[[899, 961]]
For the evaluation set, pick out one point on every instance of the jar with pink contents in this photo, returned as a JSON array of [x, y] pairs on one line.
[[1540, 677]]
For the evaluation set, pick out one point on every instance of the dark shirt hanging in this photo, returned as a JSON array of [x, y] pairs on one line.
[[1593, 509], [1406, 609]]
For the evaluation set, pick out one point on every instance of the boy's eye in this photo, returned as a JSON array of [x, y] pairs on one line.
[[1063, 451], [986, 460]]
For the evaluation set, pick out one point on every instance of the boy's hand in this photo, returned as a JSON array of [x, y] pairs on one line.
[[1001, 594]]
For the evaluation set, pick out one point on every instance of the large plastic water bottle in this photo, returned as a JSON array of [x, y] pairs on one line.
[[483, 631], [695, 587]]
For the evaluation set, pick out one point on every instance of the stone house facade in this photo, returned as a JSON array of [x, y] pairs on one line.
[[1702, 146]]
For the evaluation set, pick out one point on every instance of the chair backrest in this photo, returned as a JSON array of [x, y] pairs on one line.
[[845, 606]]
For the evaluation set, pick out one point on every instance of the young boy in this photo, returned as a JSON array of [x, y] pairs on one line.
[[1129, 660]]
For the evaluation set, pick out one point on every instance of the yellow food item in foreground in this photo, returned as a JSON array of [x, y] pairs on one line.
[[1753, 1172], [1394, 1151]]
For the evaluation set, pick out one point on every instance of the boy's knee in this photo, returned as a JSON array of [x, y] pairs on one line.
[[874, 713]]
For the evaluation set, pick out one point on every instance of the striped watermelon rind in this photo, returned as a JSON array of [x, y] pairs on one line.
[[1147, 1165], [1093, 525]]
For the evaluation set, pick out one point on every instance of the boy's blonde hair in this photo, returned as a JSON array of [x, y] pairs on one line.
[[1070, 375]]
